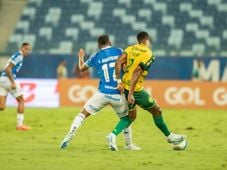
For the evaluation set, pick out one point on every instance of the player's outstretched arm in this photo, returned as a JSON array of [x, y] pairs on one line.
[[135, 76], [81, 54]]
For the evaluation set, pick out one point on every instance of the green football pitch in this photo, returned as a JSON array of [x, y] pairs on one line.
[[38, 149]]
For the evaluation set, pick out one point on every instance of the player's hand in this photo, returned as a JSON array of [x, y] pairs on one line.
[[120, 87], [81, 53], [131, 99], [124, 67]]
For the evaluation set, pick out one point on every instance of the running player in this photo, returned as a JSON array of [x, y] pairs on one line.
[[8, 83], [138, 59], [104, 62]]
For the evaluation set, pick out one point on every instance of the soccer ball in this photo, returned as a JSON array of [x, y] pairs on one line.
[[181, 146]]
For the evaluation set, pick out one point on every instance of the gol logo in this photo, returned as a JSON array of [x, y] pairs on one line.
[[183, 96], [78, 94], [220, 96]]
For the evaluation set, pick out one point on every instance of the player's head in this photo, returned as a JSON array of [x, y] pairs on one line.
[[25, 48], [144, 38], [103, 41]]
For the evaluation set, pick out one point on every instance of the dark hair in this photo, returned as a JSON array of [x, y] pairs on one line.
[[24, 44], [143, 36], [103, 39]]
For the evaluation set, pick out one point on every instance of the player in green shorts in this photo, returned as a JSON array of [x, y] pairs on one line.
[[143, 99], [136, 60]]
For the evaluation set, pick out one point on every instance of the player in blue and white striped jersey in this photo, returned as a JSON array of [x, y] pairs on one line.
[[104, 62], [8, 83]]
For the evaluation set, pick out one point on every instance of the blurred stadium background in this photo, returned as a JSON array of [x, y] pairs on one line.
[[182, 31], [180, 28]]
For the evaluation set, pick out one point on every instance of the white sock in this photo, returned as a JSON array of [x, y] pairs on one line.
[[112, 134], [78, 120], [171, 135], [128, 135], [20, 119]]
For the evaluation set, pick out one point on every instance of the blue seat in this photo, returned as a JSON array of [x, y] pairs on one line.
[[121, 30]]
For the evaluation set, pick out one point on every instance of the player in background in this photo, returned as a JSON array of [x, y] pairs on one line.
[[8, 83], [62, 71], [104, 62], [138, 59]]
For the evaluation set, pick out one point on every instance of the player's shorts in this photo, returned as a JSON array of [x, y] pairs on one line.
[[100, 100], [5, 87], [142, 98]]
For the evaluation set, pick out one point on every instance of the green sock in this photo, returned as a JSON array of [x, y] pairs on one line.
[[159, 122], [122, 124]]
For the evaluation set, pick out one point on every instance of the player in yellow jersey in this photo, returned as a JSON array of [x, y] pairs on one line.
[[137, 60]]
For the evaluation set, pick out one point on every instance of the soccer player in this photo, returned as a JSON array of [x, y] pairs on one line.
[[8, 83], [104, 62], [138, 59]]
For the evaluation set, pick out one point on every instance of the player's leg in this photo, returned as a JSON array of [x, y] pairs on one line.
[[147, 103], [144, 100], [93, 105], [132, 113], [17, 94], [123, 123], [158, 119], [3, 93], [77, 122], [2, 102], [120, 106], [127, 132], [20, 114]]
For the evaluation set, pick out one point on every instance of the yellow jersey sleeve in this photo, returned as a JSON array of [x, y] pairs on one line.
[[146, 61]]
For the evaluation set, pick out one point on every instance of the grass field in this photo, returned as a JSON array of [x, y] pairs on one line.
[[38, 149]]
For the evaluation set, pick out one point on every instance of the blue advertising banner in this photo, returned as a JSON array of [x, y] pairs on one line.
[[163, 68], [181, 68]]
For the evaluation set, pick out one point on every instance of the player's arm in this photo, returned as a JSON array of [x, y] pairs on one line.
[[9, 74], [122, 60], [135, 76], [82, 65], [119, 64]]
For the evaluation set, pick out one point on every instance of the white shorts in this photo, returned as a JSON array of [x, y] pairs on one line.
[[5, 87], [100, 100]]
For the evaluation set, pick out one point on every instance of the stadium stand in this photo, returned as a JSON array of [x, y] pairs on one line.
[[9, 15], [178, 27]]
